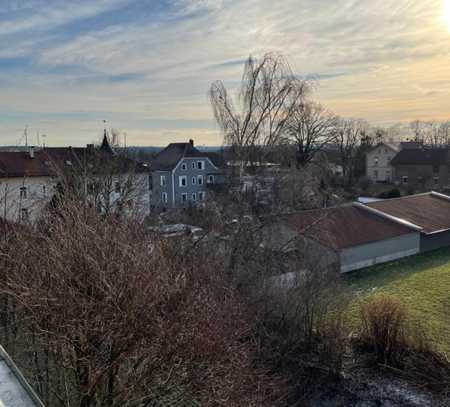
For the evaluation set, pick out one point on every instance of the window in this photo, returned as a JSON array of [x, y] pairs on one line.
[[200, 180], [200, 165], [436, 181], [201, 196], [163, 180], [150, 182], [24, 215], [194, 180], [184, 197], [117, 187], [193, 165], [23, 192], [375, 162], [210, 179], [405, 179], [194, 196], [184, 166], [164, 197], [44, 190], [182, 180]]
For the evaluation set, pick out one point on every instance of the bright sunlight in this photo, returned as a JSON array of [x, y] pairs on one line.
[[447, 13]]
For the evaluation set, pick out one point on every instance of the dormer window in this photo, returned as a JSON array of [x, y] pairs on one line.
[[184, 166], [200, 165]]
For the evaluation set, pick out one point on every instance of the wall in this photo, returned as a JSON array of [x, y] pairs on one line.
[[358, 257], [11, 203], [190, 173], [190, 188], [434, 241], [425, 172], [384, 169], [156, 195]]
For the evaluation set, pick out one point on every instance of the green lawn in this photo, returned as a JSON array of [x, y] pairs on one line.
[[421, 282]]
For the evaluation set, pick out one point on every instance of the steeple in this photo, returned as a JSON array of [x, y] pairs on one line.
[[105, 143]]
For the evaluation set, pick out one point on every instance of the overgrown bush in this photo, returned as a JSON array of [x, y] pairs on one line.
[[397, 343], [100, 313], [384, 328]]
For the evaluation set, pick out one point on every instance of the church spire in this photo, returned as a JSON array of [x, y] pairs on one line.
[[105, 142]]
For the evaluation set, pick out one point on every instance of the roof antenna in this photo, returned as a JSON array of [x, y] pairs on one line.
[[25, 133]]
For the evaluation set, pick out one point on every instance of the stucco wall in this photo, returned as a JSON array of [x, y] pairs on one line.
[[358, 257], [383, 167], [12, 203]]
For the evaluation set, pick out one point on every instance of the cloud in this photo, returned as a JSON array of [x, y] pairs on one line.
[[155, 59]]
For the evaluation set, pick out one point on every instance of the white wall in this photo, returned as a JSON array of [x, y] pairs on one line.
[[11, 202]]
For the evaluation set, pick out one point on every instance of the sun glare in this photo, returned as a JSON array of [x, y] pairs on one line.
[[447, 13]]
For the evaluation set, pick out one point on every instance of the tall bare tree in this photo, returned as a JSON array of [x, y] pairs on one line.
[[311, 127], [348, 135], [268, 95]]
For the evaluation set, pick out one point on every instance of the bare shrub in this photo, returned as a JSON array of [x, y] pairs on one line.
[[100, 313], [384, 328]]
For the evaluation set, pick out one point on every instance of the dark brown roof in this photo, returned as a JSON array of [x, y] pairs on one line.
[[345, 226], [422, 156], [168, 158], [429, 211], [20, 164]]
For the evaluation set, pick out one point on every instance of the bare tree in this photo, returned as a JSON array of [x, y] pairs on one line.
[[311, 128], [268, 95], [348, 135]]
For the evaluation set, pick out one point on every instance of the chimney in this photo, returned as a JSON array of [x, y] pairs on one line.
[[31, 151], [191, 142]]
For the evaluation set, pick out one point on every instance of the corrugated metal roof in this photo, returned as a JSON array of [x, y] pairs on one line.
[[429, 211], [345, 226]]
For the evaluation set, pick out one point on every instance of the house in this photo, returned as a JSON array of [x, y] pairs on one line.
[[182, 176], [422, 167], [14, 389], [28, 178], [378, 162], [348, 237], [429, 212]]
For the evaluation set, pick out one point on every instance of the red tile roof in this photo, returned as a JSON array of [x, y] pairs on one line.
[[345, 226], [429, 211]]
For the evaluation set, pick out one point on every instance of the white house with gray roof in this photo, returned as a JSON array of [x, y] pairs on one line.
[[182, 175]]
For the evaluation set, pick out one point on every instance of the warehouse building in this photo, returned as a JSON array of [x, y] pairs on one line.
[[355, 235], [429, 212]]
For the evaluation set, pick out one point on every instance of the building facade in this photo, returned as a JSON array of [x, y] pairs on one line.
[[29, 180], [422, 168], [182, 176], [378, 163]]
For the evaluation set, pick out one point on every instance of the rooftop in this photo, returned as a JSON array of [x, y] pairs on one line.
[[430, 211], [168, 158], [422, 156], [345, 226]]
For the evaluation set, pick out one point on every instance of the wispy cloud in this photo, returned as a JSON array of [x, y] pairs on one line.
[[150, 62]]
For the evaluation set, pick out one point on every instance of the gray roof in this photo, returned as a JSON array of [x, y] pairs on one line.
[[168, 158], [14, 389]]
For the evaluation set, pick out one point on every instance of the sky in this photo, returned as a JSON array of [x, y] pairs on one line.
[[145, 66]]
